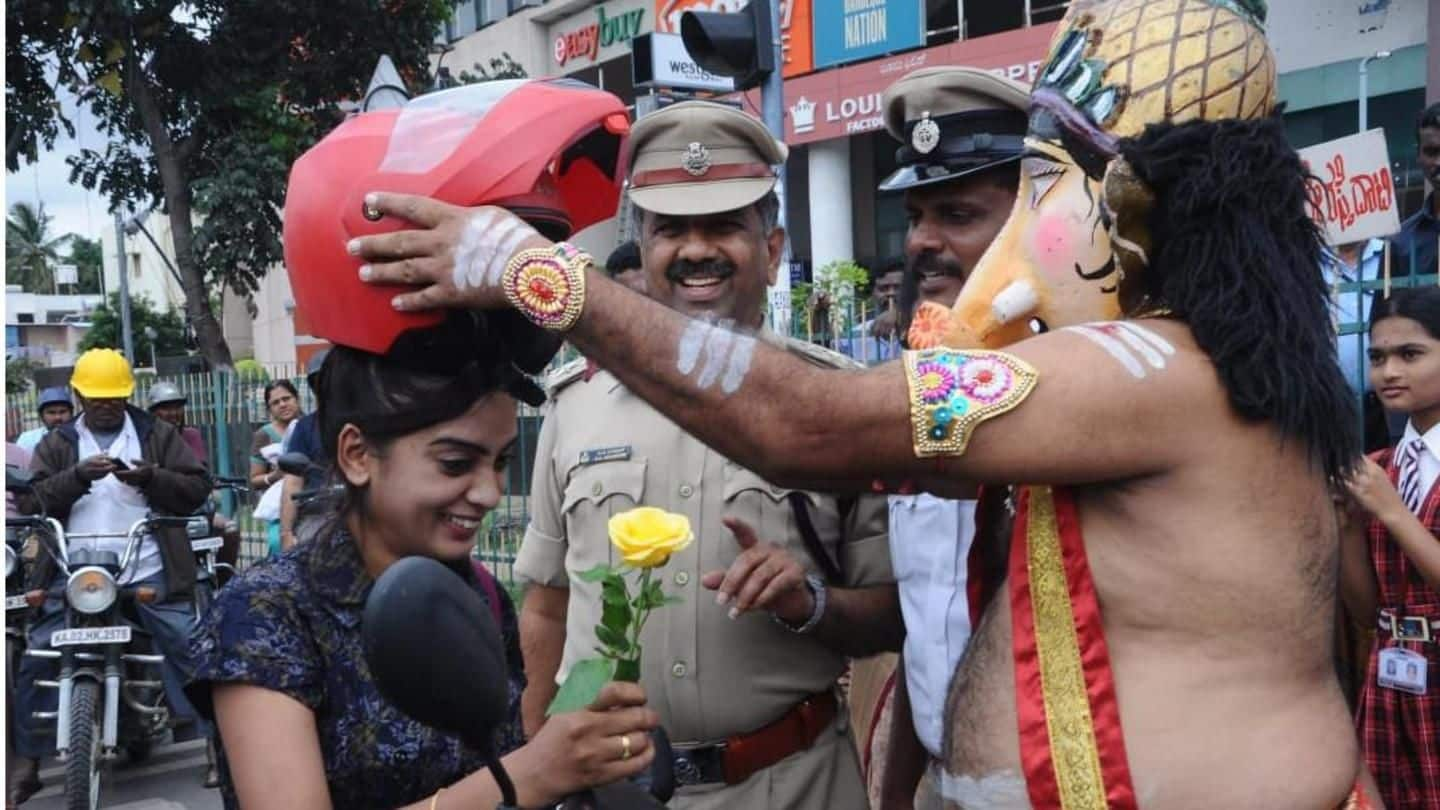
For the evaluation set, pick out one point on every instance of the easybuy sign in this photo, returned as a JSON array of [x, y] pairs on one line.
[[605, 29]]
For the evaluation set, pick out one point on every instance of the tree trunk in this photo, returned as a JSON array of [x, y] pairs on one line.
[[171, 164]]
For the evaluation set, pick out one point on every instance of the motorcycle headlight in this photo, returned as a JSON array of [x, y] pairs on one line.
[[9, 561], [197, 527], [91, 590]]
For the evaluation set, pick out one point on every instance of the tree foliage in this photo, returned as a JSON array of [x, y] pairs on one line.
[[204, 105], [87, 256], [503, 66], [168, 326], [31, 252], [18, 374]]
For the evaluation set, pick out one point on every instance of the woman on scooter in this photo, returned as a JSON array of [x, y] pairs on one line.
[[418, 423]]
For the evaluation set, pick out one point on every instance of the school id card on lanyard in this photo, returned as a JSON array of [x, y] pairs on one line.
[[1402, 669]]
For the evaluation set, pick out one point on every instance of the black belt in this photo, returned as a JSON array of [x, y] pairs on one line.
[[1409, 628]]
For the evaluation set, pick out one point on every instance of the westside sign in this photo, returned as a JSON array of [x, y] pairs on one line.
[[662, 61], [607, 30], [1350, 193]]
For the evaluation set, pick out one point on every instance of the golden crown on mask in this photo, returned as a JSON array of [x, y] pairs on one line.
[[1115, 67]]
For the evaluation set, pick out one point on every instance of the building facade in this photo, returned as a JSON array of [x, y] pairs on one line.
[[46, 329]]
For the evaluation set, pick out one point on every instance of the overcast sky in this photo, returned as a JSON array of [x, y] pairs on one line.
[[74, 209]]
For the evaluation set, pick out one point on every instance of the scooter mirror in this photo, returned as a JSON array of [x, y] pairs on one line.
[[294, 464], [435, 651]]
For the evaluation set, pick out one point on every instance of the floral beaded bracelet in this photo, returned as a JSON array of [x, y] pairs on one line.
[[547, 285]]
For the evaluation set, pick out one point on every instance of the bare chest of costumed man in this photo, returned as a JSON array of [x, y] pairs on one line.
[[1216, 586]]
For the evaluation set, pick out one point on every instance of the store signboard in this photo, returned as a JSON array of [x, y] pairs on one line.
[[662, 61], [852, 30], [846, 101], [599, 33]]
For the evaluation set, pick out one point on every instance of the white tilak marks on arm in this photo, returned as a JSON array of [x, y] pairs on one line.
[[1129, 344], [485, 248], [717, 353], [727, 355]]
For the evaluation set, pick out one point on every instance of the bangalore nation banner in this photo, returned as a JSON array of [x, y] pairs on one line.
[[795, 34], [1351, 193]]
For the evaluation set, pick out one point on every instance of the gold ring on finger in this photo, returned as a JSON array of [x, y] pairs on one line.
[[624, 746]]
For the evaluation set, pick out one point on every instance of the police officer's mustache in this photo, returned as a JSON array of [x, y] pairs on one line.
[[930, 264], [682, 269]]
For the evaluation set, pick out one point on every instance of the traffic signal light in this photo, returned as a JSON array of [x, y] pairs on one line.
[[740, 44]]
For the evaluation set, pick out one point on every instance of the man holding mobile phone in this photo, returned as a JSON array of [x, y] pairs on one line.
[[112, 465]]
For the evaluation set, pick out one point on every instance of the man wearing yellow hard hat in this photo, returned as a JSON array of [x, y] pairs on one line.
[[112, 465]]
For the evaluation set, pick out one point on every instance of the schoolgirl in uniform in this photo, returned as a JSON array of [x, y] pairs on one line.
[[1391, 557]]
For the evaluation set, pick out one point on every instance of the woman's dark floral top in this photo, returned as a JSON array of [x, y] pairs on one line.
[[293, 625]]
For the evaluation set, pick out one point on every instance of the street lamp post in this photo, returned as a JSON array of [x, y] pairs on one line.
[[1365, 87], [126, 344], [151, 334], [441, 76]]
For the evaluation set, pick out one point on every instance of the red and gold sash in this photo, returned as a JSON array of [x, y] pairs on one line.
[[1072, 747]]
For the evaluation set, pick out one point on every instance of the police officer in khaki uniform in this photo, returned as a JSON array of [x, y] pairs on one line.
[[780, 586]]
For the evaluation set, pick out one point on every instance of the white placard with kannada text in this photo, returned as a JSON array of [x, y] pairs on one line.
[[1352, 194]]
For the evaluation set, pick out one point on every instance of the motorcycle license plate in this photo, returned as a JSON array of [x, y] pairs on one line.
[[15, 602], [207, 544], [90, 635]]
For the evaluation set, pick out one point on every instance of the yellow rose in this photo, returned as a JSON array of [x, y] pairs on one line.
[[646, 536]]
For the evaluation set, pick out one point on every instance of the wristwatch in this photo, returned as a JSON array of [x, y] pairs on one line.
[[820, 594]]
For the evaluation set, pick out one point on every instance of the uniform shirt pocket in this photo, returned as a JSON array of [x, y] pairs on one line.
[[766, 507], [593, 494]]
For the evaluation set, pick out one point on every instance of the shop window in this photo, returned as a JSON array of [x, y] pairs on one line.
[[890, 222], [985, 17], [489, 12], [618, 77], [1045, 11], [942, 24], [464, 21]]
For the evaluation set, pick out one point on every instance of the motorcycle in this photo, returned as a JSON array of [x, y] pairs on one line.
[[207, 548], [111, 692], [16, 608]]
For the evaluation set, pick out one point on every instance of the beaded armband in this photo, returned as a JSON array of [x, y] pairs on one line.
[[547, 285], [952, 391]]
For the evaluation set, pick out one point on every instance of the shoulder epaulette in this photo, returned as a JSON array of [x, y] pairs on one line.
[[563, 376]]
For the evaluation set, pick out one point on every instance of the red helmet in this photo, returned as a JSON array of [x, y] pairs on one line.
[[549, 150]]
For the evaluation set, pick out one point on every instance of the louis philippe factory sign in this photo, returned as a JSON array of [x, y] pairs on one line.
[[843, 102], [599, 33]]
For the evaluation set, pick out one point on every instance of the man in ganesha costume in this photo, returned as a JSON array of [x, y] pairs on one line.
[[1145, 350]]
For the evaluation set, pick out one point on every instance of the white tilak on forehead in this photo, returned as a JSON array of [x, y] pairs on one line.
[[1129, 344], [484, 248], [727, 354]]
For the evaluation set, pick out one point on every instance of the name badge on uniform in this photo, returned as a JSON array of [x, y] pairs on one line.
[[1403, 669], [600, 455]]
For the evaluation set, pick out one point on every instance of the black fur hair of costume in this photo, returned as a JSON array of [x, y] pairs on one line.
[[1239, 260]]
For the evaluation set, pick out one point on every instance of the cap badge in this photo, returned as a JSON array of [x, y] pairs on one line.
[[696, 159], [926, 135]]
